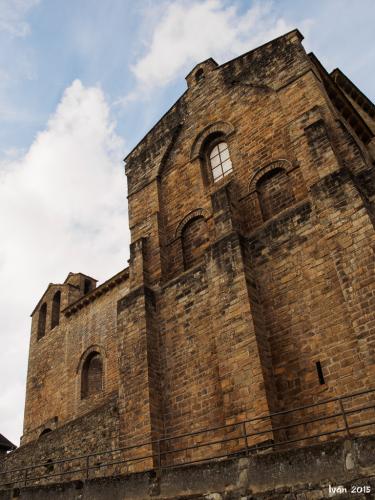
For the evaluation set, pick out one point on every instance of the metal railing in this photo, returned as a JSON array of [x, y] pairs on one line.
[[234, 439]]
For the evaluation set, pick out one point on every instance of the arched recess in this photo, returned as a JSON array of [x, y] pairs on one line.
[[193, 233], [42, 318], [214, 129], [282, 163], [274, 192], [91, 371], [199, 212], [55, 314], [274, 188]]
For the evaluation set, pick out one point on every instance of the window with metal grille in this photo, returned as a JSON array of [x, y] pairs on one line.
[[220, 161]]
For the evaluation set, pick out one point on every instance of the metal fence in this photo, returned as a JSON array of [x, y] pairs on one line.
[[349, 415]]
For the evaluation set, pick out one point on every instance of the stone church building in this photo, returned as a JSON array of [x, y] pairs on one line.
[[250, 286]]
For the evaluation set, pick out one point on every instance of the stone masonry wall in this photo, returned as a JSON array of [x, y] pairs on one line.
[[289, 283], [97, 431], [343, 469], [54, 373], [272, 305]]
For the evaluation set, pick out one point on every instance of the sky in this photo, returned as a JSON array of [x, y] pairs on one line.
[[81, 82]]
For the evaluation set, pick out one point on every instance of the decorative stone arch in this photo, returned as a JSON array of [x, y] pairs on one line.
[[84, 393], [199, 212], [273, 188], [282, 164], [220, 127]]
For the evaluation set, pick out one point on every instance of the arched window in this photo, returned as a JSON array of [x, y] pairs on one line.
[[92, 375], [195, 240], [274, 192], [87, 286], [45, 431], [42, 321], [220, 161], [55, 317], [199, 75]]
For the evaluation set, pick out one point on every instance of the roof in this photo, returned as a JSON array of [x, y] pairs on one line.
[[341, 102], [210, 59], [5, 444], [344, 82], [60, 284], [97, 292], [82, 274]]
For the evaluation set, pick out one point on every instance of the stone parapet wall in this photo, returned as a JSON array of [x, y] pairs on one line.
[[316, 472]]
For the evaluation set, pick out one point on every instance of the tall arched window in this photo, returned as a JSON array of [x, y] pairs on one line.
[[56, 302], [42, 316], [274, 192], [194, 238], [92, 375], [220, 161]]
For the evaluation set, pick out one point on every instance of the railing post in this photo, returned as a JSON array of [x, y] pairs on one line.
[[244, 434], [159, 455], [344, 417], [87, 466]]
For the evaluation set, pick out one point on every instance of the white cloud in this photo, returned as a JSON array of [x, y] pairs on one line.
[[189, 32], [62, 208], [12, 13]]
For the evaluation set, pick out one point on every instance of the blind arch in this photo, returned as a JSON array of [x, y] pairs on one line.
[[92, 375]]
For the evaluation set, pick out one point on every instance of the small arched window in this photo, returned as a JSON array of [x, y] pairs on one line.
[[87, 286], [220, 162], [92, 375], [195, 240], [45, 431], [199, 75], [42, 321], [56, 302]]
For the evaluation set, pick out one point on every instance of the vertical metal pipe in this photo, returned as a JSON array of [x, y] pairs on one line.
[[159, 455], [87, 466], [344, 417], [244, 434]]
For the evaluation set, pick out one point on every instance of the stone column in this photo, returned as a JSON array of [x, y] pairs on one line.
[[139, 392]]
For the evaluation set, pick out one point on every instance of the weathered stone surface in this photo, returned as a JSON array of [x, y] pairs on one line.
[[302, 474], [246, 295]]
